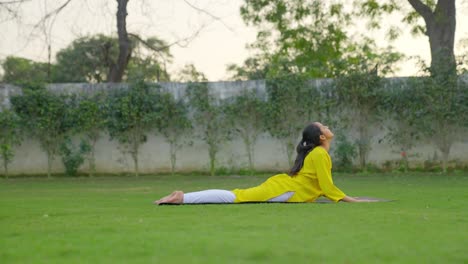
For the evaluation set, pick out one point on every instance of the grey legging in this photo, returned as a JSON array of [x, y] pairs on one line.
[[223, 196]]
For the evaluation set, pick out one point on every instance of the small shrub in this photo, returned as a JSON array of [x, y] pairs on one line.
[[73, 156]]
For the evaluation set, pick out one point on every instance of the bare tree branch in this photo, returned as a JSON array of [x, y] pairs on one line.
[[11, 9], [422, 9], [209, 14], [13, 2], [52, 13], [181, 42], [41, 24]]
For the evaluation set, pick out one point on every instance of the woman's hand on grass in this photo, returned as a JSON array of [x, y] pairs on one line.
[[350, 199]]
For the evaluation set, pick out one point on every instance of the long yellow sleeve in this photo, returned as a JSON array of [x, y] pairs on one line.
[[322, 163]]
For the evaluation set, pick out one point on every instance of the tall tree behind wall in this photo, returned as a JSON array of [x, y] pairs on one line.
[[439, 26], [119, 65], [440, 29], [300, 37], [117, 69]]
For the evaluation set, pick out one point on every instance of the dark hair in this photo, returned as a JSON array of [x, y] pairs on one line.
[[310, 140]]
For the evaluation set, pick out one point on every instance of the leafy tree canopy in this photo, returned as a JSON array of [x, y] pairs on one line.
[[307, 37], [21, 71], [89, 59]]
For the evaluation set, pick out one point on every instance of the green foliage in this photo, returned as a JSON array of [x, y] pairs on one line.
[[91, 121], [344, 153], [434, 19], [23, 72], [73, 156], [86, 59], [149, 59], [89, 59], [10, 136], [209, 120], [189, 73], [246, 116], [403, 111], [131, 114], [255, 68], [305, 37], [146, 69], [292, 104], [440, 102], [375, 11], [310, 37], [174, 124], [46, 117], [358, 92]]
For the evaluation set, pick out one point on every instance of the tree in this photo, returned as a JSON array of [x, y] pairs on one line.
[[439, 96], [91, 120], [440, 24], [132, 113], [174, 125], [127, 41], [309, 35], [400, 106], [22, 71], [438, 112], [88, 59], [440, 29], [117, 67], [85, 60], [46, 118], [246, 115], [358, 93], [358, 89], [189, 73], [209, 120], [147, 69], [10, 136], [254, 68]]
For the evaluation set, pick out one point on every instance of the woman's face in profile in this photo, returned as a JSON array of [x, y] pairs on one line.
[[325, 130]]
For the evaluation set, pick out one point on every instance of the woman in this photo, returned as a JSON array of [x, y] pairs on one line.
[[309, 178]]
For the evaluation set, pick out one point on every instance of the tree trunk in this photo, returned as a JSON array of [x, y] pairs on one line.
[[92, 160], [440, 25], [212, 150], [135, 162], [173, 150], [49, 164], [134, 149], [249, 148], [116, 71], [444, 146], [5, 167]]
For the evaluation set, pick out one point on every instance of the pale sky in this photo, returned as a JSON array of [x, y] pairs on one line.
[[219, 43]]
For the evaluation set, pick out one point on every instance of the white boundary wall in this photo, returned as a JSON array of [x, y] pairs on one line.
[[154, 156]]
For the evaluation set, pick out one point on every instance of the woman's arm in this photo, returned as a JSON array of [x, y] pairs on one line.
[[321, 161]]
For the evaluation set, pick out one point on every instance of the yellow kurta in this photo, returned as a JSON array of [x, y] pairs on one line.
[[312, 181]]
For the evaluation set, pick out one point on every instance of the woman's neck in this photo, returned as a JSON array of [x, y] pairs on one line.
[[326, 145]]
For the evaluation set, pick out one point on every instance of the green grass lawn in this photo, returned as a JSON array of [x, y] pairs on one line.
[[113, 220]]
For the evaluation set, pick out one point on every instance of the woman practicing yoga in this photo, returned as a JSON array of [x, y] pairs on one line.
[[309, 178]]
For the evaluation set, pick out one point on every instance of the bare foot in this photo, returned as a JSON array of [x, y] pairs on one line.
[[176, 197]]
